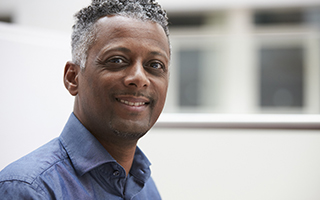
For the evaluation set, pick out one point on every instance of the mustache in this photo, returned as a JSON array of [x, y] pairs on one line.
[[136, 94]]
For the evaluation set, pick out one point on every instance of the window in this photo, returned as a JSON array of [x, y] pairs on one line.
[[278, 17], [281, 75], [270, 64], [186, 20], [189, 77], [196, 73]]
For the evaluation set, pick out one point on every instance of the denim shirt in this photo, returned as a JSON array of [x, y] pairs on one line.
[[76, 166]]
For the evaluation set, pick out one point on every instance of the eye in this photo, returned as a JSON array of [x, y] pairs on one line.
[[156, 65], [113, 63], [116, 60]]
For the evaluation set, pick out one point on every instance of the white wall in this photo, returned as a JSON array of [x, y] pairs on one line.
[[34, 104], [56, 15], [222, 164]]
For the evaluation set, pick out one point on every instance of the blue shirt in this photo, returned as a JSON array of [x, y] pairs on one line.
[[76, 166]]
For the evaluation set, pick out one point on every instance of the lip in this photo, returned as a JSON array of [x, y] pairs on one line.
[[133, 103]]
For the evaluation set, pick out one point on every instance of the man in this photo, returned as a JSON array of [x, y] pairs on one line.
[[119, 77]]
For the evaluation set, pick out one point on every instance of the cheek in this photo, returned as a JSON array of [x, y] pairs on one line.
[[95, 92], [162, 87]]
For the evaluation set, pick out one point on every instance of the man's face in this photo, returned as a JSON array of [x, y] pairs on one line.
[[123, 88]]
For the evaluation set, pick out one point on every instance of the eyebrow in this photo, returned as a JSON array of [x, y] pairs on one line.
[[157, 53], [123, 49], [126, 50], [106, 50]]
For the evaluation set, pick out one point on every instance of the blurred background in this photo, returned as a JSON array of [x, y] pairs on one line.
[[231, 59], [250, 56]]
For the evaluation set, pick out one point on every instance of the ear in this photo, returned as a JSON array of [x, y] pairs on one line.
[[70, 79]]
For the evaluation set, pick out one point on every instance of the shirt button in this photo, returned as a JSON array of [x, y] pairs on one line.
[[116, 173]]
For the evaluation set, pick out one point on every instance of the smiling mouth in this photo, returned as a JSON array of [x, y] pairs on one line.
[[129, 103]]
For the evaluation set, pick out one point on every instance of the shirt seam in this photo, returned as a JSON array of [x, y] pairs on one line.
[[33, 185], [37, 177], [65, 147], [34, 180]]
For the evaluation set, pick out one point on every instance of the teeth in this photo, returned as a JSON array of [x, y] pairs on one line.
[[131, 103]]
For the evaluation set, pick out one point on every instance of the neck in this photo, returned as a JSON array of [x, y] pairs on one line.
[[122, 152]]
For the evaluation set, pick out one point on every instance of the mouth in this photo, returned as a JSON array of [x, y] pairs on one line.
[[133, 101]]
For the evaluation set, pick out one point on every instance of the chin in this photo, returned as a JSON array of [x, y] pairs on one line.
[[130, 131], [129, 135]]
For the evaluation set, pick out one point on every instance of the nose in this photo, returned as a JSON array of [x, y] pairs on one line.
[[136, 76]]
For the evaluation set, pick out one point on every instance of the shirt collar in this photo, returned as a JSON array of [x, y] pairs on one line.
[[87, 153], [140, 167]]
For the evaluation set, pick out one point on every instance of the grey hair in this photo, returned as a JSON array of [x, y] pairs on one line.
[[84, 29]]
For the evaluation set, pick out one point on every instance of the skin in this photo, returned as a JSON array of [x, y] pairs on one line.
[[122, 90]]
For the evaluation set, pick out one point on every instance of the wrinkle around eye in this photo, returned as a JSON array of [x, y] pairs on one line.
[[159, 64], [114, 62], [160, 70], [156, 66]]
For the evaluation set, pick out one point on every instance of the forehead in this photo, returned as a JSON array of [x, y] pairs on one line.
[[120, 28]]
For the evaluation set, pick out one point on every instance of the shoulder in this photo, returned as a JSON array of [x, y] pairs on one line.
[[14, 189], [29, 168]]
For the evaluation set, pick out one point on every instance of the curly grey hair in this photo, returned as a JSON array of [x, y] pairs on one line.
[[84, 29]]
